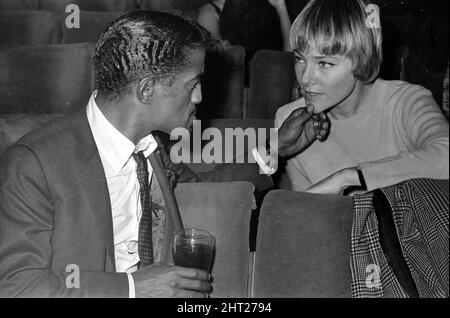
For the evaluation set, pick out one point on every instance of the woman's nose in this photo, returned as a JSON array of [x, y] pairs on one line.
[[306, 76]]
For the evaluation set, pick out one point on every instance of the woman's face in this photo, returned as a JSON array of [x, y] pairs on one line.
[[325, 81]]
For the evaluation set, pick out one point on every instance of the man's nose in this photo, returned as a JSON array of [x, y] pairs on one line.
[[197, 95]]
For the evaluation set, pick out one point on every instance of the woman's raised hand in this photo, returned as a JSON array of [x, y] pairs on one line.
[[277, 3]]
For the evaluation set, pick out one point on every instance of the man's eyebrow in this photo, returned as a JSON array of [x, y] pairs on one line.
[[198, 77]]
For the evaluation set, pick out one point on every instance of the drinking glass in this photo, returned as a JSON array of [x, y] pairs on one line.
[[193, 248]]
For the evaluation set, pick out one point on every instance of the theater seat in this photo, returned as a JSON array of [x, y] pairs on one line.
[[160, 5], [93, 5], [223, 209], [92, 24], [45, 78], [426, 67], [272, 78], [19, 4], [14, 126], [303, 246], [29, 27], [223, 84]]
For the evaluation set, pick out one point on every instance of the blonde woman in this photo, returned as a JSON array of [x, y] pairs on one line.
[[382, 132]]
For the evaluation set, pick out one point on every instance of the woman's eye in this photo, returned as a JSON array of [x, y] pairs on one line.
[[325, 64], [299, 59]]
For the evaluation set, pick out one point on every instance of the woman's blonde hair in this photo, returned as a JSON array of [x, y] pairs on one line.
[[341, 27]]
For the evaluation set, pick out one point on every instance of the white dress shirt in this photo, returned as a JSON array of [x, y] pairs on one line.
[[120, 169]]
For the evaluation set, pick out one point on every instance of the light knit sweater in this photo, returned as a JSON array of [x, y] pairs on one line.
[[401, 134]]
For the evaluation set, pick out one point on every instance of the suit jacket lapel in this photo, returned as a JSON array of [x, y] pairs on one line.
[[92, 181], [173, 219]]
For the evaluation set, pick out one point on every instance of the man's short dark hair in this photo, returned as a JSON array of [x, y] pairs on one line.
[[145, 43]]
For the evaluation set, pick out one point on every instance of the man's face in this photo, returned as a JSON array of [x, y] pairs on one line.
[[325, 81], [176, 103]]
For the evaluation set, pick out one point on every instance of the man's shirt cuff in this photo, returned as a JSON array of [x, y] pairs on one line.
[[131, 288], [265, 168]]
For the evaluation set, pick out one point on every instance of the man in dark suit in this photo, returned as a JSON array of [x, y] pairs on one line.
[[72, 193]]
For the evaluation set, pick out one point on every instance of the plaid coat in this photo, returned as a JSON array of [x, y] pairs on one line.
[[420, 212]]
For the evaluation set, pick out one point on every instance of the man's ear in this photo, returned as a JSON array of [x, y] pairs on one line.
[[144, 90]]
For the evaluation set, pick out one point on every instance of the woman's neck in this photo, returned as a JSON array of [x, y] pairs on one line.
[[353, 103]]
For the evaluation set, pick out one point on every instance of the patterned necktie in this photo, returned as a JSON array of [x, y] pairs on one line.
[[145, 245]]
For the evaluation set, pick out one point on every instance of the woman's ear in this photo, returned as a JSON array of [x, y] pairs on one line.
[[144, 90]]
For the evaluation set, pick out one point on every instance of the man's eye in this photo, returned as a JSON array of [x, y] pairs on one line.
[[197, 84]]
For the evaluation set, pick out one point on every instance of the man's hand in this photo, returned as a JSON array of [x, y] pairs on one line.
[[336, 183], [300, 130], [164, 281]]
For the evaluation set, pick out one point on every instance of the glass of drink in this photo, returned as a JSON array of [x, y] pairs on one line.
[[193, 248]]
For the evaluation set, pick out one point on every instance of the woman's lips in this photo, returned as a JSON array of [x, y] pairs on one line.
[[312, 94]]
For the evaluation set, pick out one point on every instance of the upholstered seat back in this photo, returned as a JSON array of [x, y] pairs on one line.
[[14, 126], [303, 246], [45, 79], [92, 5], [19, 5], [92, 24], [272, 78], [223, 209], [29, 27]]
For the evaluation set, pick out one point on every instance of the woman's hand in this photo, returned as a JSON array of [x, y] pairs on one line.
[[277, 3]]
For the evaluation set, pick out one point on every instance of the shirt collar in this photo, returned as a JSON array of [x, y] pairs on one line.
[[111, 143]]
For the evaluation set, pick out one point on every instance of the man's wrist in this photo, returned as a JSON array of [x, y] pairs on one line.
[[268, 166]]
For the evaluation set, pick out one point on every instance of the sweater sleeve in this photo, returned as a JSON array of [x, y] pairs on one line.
[[426, 132]]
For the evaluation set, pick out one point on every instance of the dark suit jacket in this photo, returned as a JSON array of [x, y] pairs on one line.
[[55, 211]]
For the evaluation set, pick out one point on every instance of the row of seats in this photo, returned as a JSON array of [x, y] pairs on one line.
[[309, 257], [418, 57], [50, 27], [58, 78], [272, 75], [100, 5]]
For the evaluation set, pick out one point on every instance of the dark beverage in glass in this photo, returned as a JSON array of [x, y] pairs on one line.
[[193, 248], [195, 256]]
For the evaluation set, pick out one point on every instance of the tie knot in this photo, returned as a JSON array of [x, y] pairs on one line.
[[138, 156], [141, 169]]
